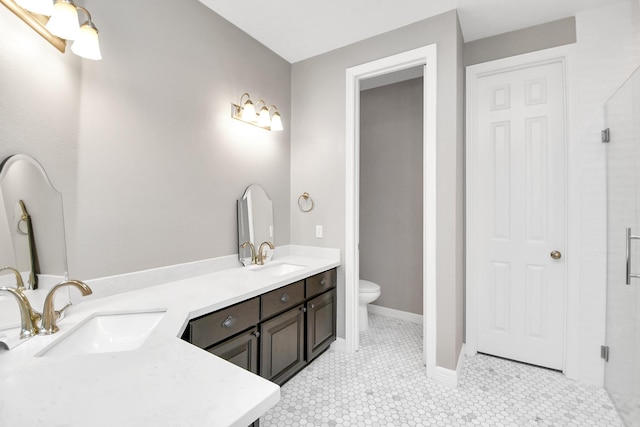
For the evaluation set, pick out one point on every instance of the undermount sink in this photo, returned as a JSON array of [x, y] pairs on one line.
[[278, 268], [106, 333]]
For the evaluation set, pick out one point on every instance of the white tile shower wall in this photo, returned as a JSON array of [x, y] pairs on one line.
[[608, 52]]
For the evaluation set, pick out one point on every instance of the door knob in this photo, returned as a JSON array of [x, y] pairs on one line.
[[555, 254]]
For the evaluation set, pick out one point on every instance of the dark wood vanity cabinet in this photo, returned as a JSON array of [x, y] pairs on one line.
[[321, 324], [241, 350], [275, 334], [282, 345]]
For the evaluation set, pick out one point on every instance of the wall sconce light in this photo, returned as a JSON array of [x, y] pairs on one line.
[[264, 119], [57, 22]]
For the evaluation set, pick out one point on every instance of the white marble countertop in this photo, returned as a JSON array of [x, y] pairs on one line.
[[166, 382]]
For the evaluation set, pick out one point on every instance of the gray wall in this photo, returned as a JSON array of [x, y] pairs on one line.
[[318, 157], [531, 39], [141, 144], [391, 192]]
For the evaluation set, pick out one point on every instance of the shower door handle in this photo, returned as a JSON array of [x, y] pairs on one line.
[[629, 273]]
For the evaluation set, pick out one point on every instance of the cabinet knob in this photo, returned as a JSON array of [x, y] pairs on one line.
[[284, 298], [303, 309], [312, 305], [256, 334], [322, 282], [228, 322]]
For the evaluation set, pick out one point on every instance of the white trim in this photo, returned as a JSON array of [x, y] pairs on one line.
[[566, 55], [392, 313], [426, 55], [450, 377]]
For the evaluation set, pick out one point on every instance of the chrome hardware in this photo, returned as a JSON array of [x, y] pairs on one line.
[[260, 252], [303, 309], [322, 282], [28, 317], [629, 273], [284, 298], [254, 258], [228, 322], [256, 334], [312, 305], [49, 314], [556, 254]]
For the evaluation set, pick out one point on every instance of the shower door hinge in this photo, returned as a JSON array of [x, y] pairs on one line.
[[604, 352], [606, 135]]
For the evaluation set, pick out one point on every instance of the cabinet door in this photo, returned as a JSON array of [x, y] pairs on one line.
[[282, 345], [321, 323], [241, 350]]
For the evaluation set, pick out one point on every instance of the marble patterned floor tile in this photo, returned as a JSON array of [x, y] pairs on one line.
[[385, 384]]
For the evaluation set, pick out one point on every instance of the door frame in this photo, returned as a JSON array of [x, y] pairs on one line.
[[566, 56], [427, 56]]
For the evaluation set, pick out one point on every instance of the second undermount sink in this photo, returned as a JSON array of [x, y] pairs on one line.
[[106, 333], [278, 268]]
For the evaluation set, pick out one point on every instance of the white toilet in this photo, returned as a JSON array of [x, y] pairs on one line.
[[368, 293]]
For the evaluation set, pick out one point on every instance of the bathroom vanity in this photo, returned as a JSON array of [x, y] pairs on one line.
[[275, 334], [167, 381]]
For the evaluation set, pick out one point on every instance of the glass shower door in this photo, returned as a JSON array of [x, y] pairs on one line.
[[622, 372]]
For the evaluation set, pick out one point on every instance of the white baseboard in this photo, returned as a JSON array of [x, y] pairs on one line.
[[340, 344], [449, 376], [395, 314]]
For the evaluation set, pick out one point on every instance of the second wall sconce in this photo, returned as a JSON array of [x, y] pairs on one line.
[[264, 119], [57, 21]]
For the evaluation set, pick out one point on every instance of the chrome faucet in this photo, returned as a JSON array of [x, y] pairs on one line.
[[49, 314], [254, 258], [260, 259]]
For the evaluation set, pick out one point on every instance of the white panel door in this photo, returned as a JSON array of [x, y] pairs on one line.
[[521, 214]]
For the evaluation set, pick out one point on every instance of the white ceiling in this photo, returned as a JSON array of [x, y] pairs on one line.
[[300, 29]]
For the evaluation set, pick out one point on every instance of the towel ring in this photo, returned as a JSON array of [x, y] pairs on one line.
[[305, 202]]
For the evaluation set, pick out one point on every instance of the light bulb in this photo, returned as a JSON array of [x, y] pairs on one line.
[[249, 112], [87, 44], [64, 20], [264, 120], [276, 122]]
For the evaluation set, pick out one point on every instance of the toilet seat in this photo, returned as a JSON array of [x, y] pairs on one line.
[[368, 287]]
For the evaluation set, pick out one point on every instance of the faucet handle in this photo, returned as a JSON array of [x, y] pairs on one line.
[[49, 314]]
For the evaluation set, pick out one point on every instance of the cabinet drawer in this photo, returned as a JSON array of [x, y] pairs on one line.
[[281, 299], [320, 283], [221, 324]]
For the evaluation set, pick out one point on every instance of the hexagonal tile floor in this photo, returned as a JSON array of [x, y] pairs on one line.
[[385, 384]]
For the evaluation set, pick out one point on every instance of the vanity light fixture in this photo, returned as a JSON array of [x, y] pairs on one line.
[[265, 119], [57, 21], [64, 20], [87, 44]]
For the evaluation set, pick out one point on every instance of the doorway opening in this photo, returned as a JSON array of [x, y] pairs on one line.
[[426, 57]]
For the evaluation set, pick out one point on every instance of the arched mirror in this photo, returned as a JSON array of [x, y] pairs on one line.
[[32, 236], [255, 221]]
